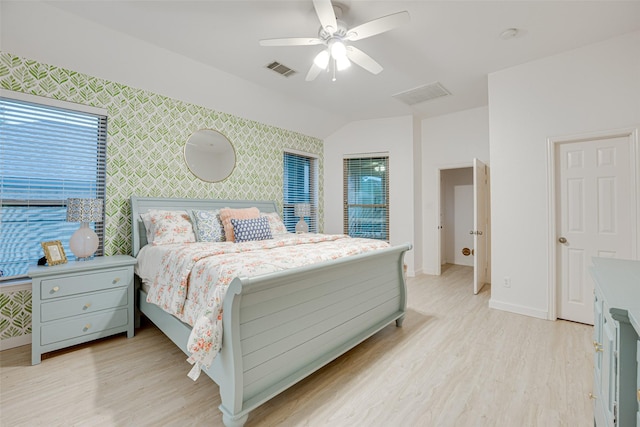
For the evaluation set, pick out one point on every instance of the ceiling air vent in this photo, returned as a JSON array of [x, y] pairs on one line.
[[281, 69], [422, 94]]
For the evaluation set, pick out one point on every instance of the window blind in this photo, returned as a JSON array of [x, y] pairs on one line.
[[47, 155], [366, 197], [300, 186]]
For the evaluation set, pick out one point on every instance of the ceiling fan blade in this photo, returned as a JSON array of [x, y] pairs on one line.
[[293, 41], [377, 26], [326, 15], [363, 60], [314, 71]]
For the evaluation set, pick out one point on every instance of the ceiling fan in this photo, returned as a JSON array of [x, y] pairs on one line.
[[335, 35]]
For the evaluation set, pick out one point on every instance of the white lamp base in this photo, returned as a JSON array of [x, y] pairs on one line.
[[84, 242], [302, 226]]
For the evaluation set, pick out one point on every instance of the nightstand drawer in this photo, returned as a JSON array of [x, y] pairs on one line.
[[85, 325], [83, 304], [95, 281]]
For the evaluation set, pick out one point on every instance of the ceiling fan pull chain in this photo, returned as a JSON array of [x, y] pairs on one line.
[[334, 71]]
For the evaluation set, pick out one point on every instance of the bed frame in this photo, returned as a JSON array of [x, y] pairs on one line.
[[279, 328]]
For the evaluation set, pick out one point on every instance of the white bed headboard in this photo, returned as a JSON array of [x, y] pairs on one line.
[[141, 205]]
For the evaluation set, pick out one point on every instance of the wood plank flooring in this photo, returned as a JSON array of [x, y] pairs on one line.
[[455, 362]]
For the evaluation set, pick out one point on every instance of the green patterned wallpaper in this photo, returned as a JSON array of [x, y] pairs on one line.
[[15, 313], [145, 139]]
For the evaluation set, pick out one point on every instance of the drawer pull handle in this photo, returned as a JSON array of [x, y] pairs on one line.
[[55, 289], [86, 327], [592, 396], [116, 280], [86, 306]]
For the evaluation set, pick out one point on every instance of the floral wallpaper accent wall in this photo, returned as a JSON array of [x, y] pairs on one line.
[[145, 140]]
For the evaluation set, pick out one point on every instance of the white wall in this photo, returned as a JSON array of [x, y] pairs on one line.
[[448, 141], [418, 226], [589, 89], [392, 135], [457, 207], [36, 30]]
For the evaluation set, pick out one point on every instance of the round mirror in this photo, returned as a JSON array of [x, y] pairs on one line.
[[209, 155]]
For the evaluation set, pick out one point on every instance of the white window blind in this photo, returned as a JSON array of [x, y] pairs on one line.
[[366, 197], [47, 154], [300, 186]]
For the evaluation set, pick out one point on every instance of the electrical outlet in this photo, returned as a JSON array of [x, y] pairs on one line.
[[507, 282]]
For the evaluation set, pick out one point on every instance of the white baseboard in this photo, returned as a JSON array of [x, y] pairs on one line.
[[518, 309], [8, 343]]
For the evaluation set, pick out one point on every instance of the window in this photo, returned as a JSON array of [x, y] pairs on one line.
[[366, 197], [49, 151], [300, 186]]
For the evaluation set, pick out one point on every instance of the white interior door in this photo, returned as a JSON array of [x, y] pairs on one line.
[[595, 216], [480, 225]]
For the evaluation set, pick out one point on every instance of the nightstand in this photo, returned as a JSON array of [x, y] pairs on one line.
[[81, 301]]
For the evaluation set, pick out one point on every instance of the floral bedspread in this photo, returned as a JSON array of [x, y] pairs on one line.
[[193, 278]]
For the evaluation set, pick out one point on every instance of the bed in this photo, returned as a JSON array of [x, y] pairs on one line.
[[353, 298]]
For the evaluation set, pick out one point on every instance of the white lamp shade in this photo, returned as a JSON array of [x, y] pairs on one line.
[[343, 63], [84, 242], [338, 50], [322, 59]]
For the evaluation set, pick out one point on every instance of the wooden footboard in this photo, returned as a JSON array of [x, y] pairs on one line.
[[279, 328]]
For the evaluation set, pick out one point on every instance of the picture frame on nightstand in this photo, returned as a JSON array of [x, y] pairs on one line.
[[54, 252]]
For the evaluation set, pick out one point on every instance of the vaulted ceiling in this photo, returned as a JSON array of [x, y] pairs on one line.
[[456, 43]]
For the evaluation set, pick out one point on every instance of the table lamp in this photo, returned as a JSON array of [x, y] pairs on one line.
[[84, 242], [302, 210]]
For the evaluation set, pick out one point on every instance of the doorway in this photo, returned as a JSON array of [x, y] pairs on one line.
[[456, 216], [464, 226]]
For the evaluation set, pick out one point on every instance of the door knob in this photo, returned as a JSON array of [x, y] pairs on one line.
[[562, 240]]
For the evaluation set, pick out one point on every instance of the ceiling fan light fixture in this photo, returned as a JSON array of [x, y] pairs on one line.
[[322, 59], [333, 33], [343, 63], [338, 50]]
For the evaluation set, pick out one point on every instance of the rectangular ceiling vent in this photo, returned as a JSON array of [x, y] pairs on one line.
[[281, 69], [422, 94]]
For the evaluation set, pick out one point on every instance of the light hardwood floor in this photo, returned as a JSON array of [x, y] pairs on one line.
[[455, 362]]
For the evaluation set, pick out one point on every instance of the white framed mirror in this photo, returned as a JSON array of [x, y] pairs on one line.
[[209, 155]]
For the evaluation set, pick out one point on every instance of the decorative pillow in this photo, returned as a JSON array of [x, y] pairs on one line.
[[246, 230], [276, 224], [208, 227], [148, 226], [227, 213], [170, 227]]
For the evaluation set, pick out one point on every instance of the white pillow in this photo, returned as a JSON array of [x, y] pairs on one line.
[[167, 227], [275, 223]]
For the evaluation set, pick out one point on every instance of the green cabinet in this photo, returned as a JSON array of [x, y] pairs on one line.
[[616, 335], [81, 301], [638, 384]]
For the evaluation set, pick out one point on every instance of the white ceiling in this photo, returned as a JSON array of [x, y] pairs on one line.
[[455, 43]]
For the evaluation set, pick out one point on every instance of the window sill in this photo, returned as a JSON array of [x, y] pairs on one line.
[[13, 285]]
